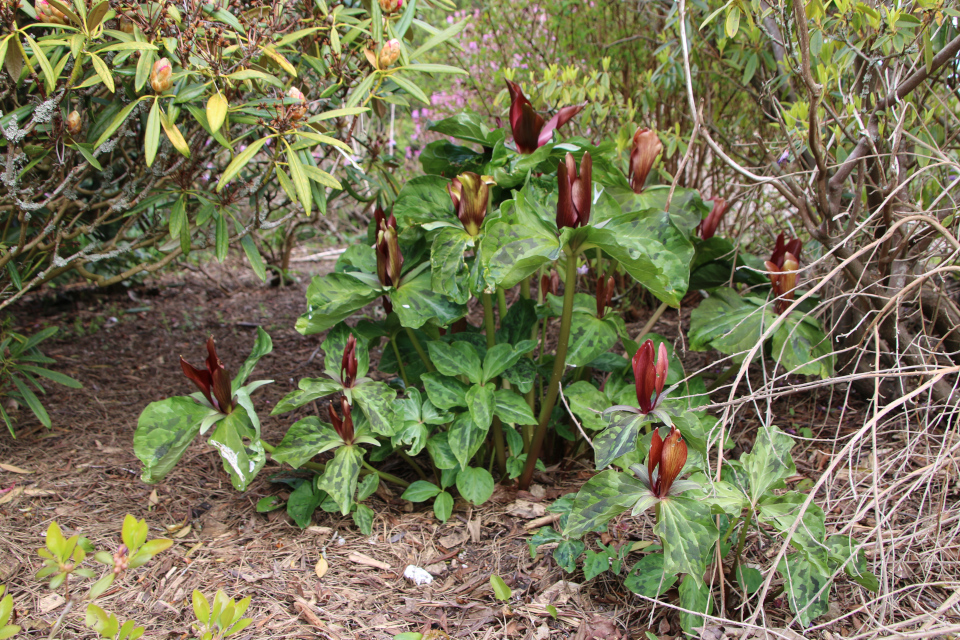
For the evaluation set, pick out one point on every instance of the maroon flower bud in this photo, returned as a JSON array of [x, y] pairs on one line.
[[605, 289], [530, 132], [708, 226], [213, 382], [646, 147], [470, 193], [650, 377], [343, 426], [574, 192], [783, 279], [781, 249], [348, 364], [549, 283], [667, 457]]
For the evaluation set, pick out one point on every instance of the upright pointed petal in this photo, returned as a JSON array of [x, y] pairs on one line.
[[645, 375], [559, 119], [200, 377], [348, 363], [645, 149], [213, 360], [582, 191], [566, 214], [525, 122], [347, 429], [778, 250], [653, 458], [221, 390], [794, 247], [335, 419], [672, 459], [663, 363]]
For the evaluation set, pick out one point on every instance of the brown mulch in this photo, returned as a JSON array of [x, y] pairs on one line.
[[123, 345]]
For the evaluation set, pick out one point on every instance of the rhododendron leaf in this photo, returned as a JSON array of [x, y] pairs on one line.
[[688, 532]]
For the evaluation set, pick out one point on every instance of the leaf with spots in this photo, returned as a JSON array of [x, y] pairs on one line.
[[688, 532], [589, 338], [648, 578], [806, 587], [481, 402], [424, 199], [455, 359], [304, 439], [240, 449], [603, 497], [511, 408], [310, 389], [449, 272], [339, 479], [379, 404], [164, 431], [443, 391], [769, 463], [332, 298], [620, 438], [587, 402], [465, 438], [416, 303]]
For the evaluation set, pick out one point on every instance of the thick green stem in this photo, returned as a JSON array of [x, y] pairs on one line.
[[501, 303], [389, 477], [490, 327], [742, 541], [652, 321], [413, 464], [419, 348], [559, 365], [525, 288], [396, 352]]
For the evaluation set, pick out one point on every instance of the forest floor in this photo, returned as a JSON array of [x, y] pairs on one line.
[[124, 344]]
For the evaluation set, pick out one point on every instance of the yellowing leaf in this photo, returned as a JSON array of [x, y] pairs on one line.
[[216, 111], [280, 60], [322, 567]]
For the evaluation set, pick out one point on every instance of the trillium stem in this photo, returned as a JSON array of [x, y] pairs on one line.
[[559, 366], [319, 467], [742, 541], [652, 321], [501, 303], [490, 327], [419, 348], [406, 457], [525, 288], [396, 352]]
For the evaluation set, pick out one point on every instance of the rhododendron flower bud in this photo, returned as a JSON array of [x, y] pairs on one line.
[[470, 193], [73, 123], [298, 110], [213, 382], [46, 12], [708, 226], [390, 6], [160, 75], [389, 53], [574, 192], [127, 26], [643, 153], [530, 131], [650, 376]]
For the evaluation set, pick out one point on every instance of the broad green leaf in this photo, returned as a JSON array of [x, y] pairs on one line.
[[603, 497], [512, 408], [151, 139], [481, 403], [368, 486], [806, 587], [498, 359], [333, 298], [801, 347], [443, 506], [379, 404], [648, 578], [269, 503], [728, 323], [695, 596], [216, 111], [240, 448], [363, 518], [339, 479], [415, 303], [310, 389], [424, 199], [566, 554], [448, 267], [849, 553], [475, 485], [262, 346], [304, 439], [465, 438], [303, 501], [441, 452], [455, 359], [589, 338], [519, 322], [513, 251], [587, 402], [500, 589], [688, 532], [444, 392], [782, 511], [254, 257], [749, 579], [164, 431], [769, 463], [420, 491], [239, 162], [620, 438]]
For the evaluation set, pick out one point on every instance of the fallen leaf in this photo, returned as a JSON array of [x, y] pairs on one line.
[[526, 509], [322, 567], [10, 495], [13, 469], [558, 593], [38, 493], [182, 533], [454, 539], [153, 499], [474, 528], [50, 602], [359, 558], [320, 531]]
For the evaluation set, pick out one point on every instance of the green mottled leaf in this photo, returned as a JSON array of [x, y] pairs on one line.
[[455, 359], [769, 463], [339, 479], [522, 375], [749, 579], [688, 532], [441, 452], [164, 431], [481, 402], [848, 552], [566, 554], [363, 518], [603, 497], [368, 486], [695, 596], [334, 344], [513, 251], [379, 404], [332, 298], [262, 345], [310, 389], [648, 578], [420, 491], [801, 347], [620, 438], [465, 438], [304, 439], [519, 322], [782, 511], [240, 449], [806, 588], [728, 323], [475, 485], [448, 267], [424, 199], [512, 408], [415, 303], [587, 402], [469, 127], [443, 506], [498, 359], [444, 392], [269, 503], [545, 535], [589, 337]]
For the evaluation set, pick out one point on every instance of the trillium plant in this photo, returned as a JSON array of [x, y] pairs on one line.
[[491, 287]]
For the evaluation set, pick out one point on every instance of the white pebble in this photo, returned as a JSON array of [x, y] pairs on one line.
[[417, 575]]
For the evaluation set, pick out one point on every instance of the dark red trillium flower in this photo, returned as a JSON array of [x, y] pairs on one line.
[[708, 226], [343, 426], [549, 283], [213, 382], [530, 131], [665, 462], [782, 248], [574, 191], [348, 364], [389, 260], [783, 279], [470, 192], [605, 289], [643, 153], [650, 375]]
